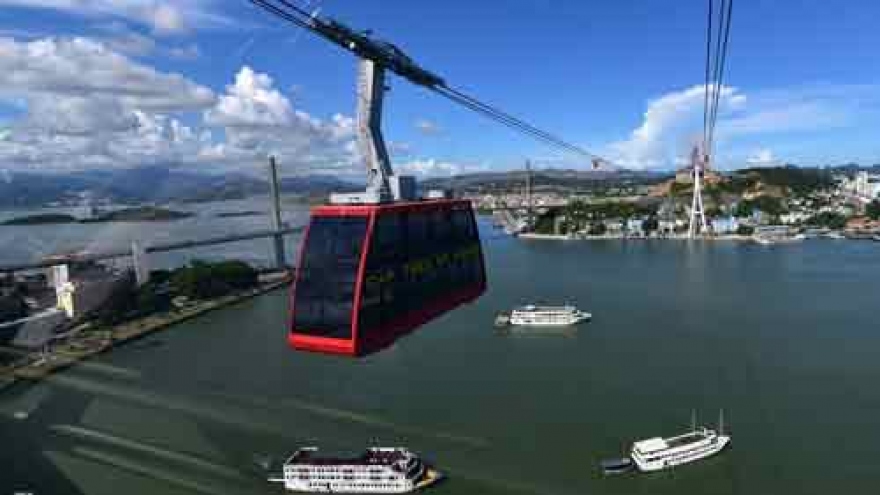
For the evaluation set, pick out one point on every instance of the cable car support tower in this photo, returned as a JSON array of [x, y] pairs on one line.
[[717, 37], [376, 58]]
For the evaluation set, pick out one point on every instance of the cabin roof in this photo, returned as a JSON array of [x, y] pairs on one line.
[[651, 445], [371, 457]]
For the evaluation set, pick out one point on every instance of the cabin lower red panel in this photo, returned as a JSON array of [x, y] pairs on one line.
[[326, 345], [383, 337]]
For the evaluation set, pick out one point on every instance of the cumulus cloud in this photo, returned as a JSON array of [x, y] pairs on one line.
[[437, 168], [761, 158], [84, 68], [86, 106], [252, 101], [258, 120], [163, 17], [669, 128], [131, 43], [673, 123], [81, 105]]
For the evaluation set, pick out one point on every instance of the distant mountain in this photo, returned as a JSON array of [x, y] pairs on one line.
[[544, 178], [854, 167], [153, 184]]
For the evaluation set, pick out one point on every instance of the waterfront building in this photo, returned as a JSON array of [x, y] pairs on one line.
[[666, 226], [724, 225], [794, 217], [614, 226], [863, 223], [84, 288], [635, 226], [866, 186]]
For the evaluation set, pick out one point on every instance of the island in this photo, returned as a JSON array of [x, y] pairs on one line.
[[235, 214], [136, 214], [41, 219], [140, 214]]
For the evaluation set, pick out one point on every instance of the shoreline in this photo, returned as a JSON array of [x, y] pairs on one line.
[[73, 352], [559, 237]]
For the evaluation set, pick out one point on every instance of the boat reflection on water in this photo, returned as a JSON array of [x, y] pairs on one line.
[[527, 331]]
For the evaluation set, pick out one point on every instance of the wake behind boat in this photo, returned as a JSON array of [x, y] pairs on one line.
[[542, 316], [658, 453]]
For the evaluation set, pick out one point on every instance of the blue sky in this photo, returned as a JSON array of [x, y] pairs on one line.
[[228, 84]]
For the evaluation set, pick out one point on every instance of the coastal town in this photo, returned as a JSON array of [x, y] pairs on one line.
[[764, 204], [75, 310]]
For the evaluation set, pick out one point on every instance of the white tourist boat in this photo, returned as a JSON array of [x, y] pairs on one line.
[[549, 316], [377, 470], [659, 453]]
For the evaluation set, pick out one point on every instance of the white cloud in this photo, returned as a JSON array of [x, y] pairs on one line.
[[85, 68], [166, 19], [673, 123], [670, 127], [131, 43], [252, 101], [188, 52], [163, 17], [87, 106], [437, 168], [787, 117], [120, 38], [259, 120], [428, 127], [761, 158]]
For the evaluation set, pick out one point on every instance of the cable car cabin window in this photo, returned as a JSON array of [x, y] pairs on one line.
[[387, 256], [416, 259], [326, 279]]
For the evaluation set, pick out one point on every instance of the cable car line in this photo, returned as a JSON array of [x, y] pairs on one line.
[[707, 76], [375, 265], [722, 66], [716, 61], [511, 121], [395, 60], [502, 119]]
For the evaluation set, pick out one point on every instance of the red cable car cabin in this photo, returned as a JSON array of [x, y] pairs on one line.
[[369, 274]]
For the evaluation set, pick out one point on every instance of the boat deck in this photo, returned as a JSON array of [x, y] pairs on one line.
[[685, 439], [367, 458]]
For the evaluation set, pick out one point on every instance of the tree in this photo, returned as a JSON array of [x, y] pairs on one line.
[[160, 276], [770, 205], [828, 219], [743, 209], [713, 212], [873, 209], [12, 307], [203, 280], [120, 304]]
